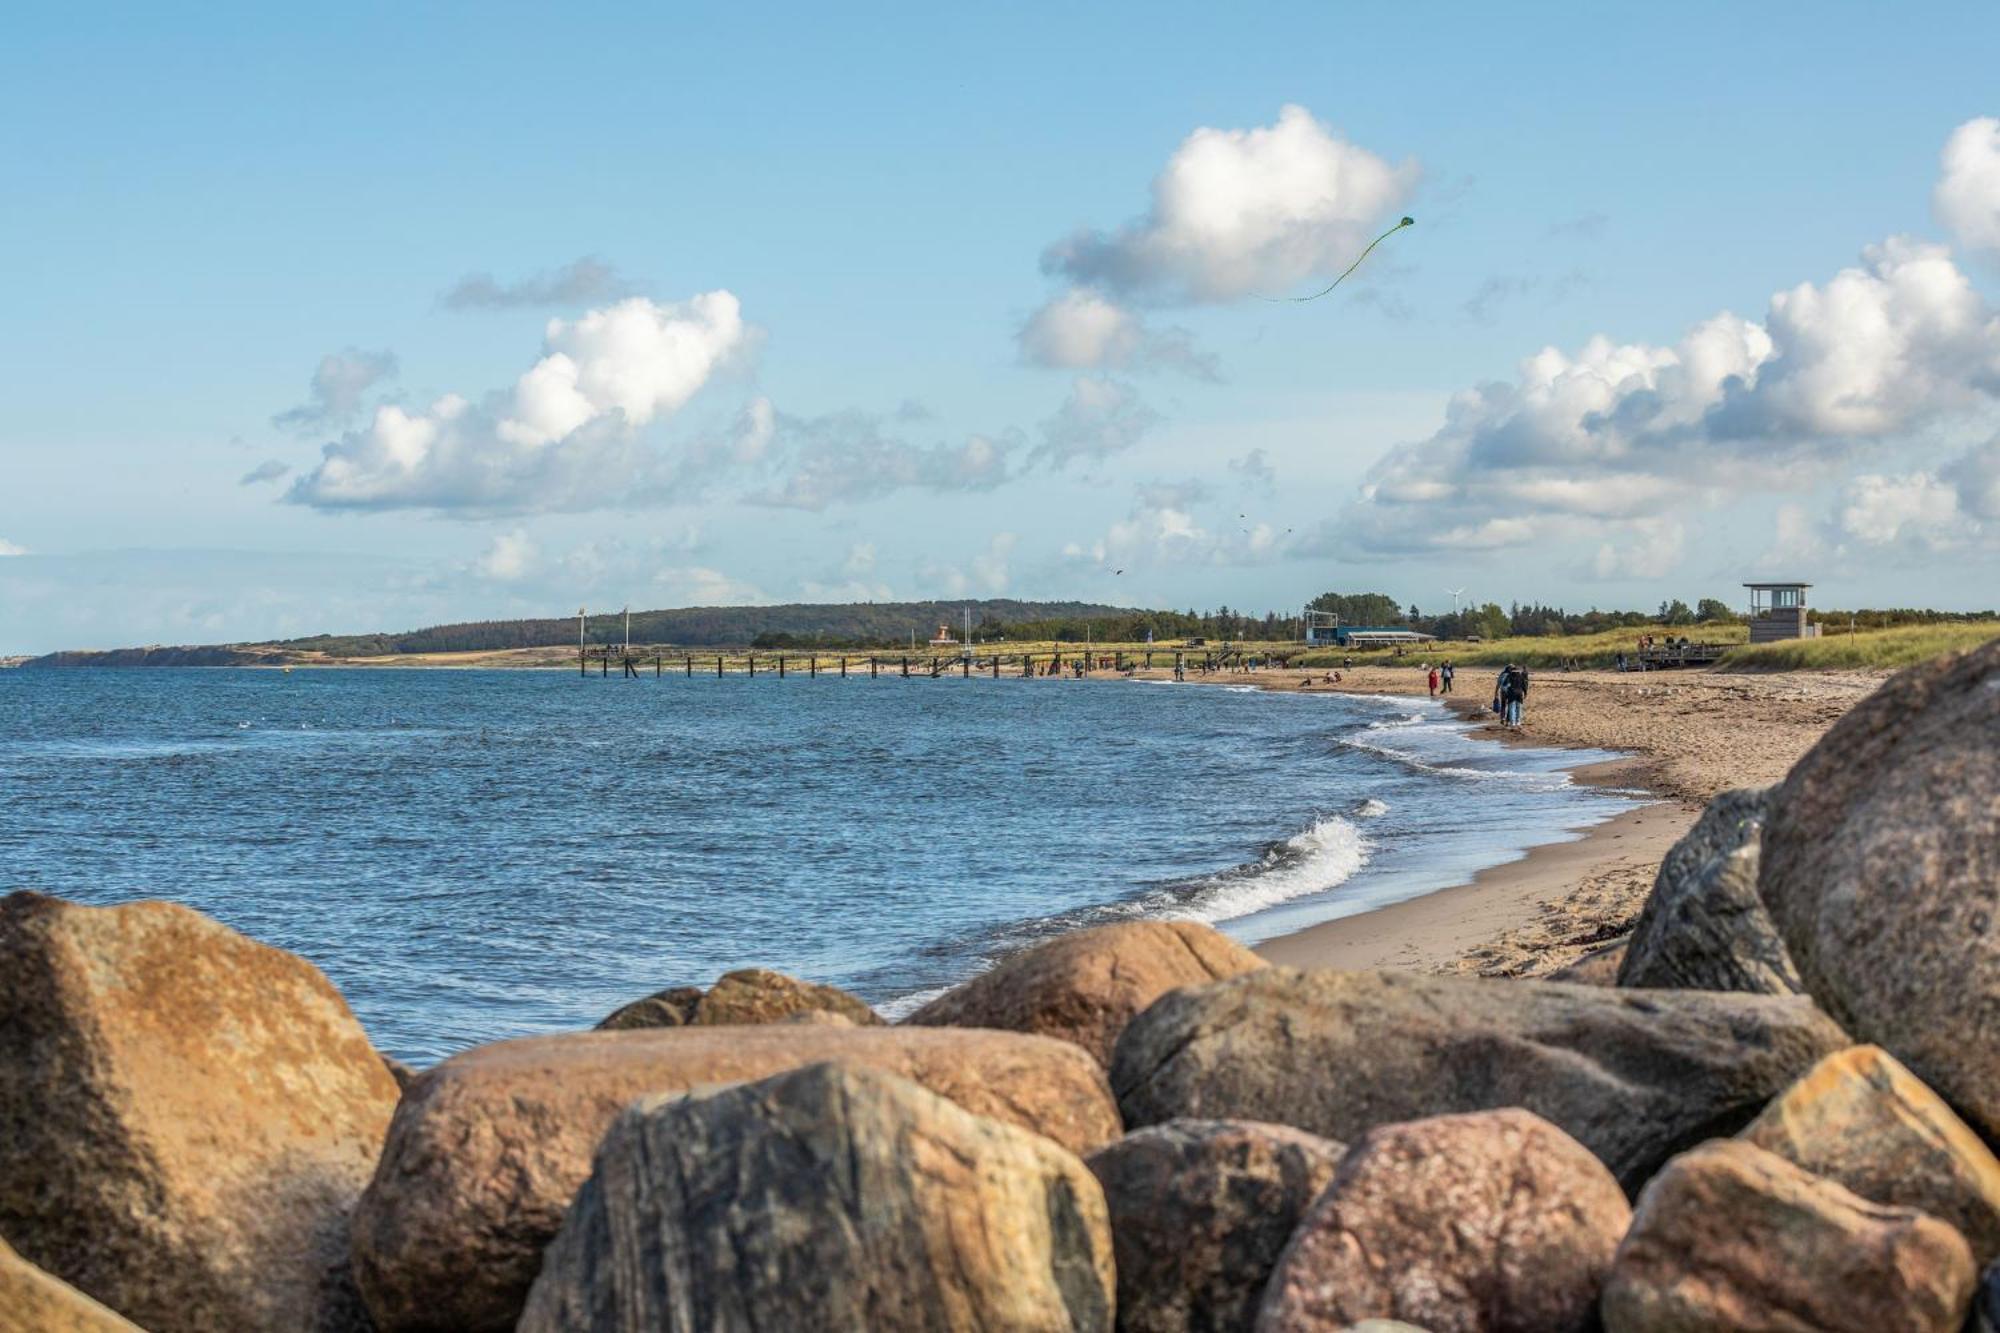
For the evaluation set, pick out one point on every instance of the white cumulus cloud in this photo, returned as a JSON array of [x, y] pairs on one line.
[[1967, 199], [1081, 329], [1100, 417], [339, 384], [565, 438], [507, 558], [8, 548], [1237, 211]]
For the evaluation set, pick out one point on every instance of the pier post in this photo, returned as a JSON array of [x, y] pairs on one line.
[[781, 666], [812, 667], [906, 668], [753, 663], [582, 663], [718, 666], [657, 668], [604, 672], [690, 665], [871, 666], [996, 666], [843, 668], [965, 668]]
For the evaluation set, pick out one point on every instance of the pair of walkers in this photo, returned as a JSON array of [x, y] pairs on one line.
[[1510, 691], [1440, 680]]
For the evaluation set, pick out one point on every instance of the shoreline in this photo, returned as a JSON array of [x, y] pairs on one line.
[[1576, 891]]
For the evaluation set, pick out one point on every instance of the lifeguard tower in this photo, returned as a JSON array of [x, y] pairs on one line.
[[1778, 611]]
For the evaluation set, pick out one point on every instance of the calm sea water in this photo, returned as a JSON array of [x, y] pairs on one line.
[[482, 854]]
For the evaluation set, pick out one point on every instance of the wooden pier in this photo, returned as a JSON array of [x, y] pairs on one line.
[[636, 662]]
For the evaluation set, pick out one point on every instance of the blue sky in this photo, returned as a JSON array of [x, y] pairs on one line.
[[827, 328]]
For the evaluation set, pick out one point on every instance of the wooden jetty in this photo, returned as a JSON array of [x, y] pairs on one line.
[[1671, 654], [633, 662]]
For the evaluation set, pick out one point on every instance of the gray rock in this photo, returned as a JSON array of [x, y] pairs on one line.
[[1496, 1222], [1882, 873], [1599, 967], [1703, 926], [1729, 1236], [1200, 1210], [670, 1008], [832, 1196], [1632, 1075]]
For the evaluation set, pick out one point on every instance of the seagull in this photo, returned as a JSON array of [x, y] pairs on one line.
[[1116, 572]]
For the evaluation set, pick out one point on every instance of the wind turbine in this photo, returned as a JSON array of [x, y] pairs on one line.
[[1454, 594]]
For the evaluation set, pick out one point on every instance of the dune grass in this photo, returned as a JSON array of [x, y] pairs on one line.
[[1881, 649]]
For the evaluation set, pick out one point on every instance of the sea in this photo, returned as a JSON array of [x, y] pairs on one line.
[[474, 855]]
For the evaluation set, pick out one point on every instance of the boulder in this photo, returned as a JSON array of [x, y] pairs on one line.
[[756, 995], [670, 1008], [1633, 1075], [1858, 1117], [1986, 1304], [833, 1196], [1730, 1236], [31, 1301], [1200, 1210], [1703, 926], [1495, 1222], [1882, 873], [186, 1116], [488, 1147], [1086, 986], [749, 995]]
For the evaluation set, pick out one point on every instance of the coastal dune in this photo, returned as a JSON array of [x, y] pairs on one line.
[[1809, 1147]]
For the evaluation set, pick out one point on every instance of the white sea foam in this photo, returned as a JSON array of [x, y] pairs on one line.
[[1370, 808], [1320, 858]]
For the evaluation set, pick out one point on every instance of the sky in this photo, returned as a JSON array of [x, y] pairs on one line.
[[335, 319]]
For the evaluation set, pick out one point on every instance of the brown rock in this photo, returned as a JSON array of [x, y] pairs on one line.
[[1496, 1222], [1633, 1075], [1703, 926], [671, 1008], [488, 1147], [31, 1301], [1882, 873], [1861, 1119], [188, 1116], [833, 1196], [750, 995], [1729, 1236], [757, 995], [1200, 1210], [1086, 986]]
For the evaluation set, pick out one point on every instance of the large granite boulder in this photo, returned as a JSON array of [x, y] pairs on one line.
[[833, 1196], [1703, 926], [488, 1147], [1086, 986], [1496, 1222], [1633, 1075], [1200, 1211], [186, 1117], [1729, 1236], [1882, 872], [1858, 1117], [31, 1301], [748, 995]]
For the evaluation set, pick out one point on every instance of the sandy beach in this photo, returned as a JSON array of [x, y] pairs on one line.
[[1687, 735]]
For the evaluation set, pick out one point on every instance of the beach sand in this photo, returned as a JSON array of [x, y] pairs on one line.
[[1688, 735]]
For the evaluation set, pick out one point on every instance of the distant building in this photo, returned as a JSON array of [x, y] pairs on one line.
[[1778, 611], [943, 639], [1324, 628]]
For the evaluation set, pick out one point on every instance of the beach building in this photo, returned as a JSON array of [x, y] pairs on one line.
[[943, 639], [1778, 611], [1323, 629]]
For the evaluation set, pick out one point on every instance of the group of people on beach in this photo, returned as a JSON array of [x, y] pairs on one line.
[[1440, 678]]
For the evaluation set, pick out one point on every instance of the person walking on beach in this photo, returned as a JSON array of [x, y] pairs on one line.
[[1512, 692], [1434, 682], [1444, 676]]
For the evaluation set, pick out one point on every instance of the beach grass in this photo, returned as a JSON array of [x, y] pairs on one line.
[[1546, 652], [1882, 649]]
